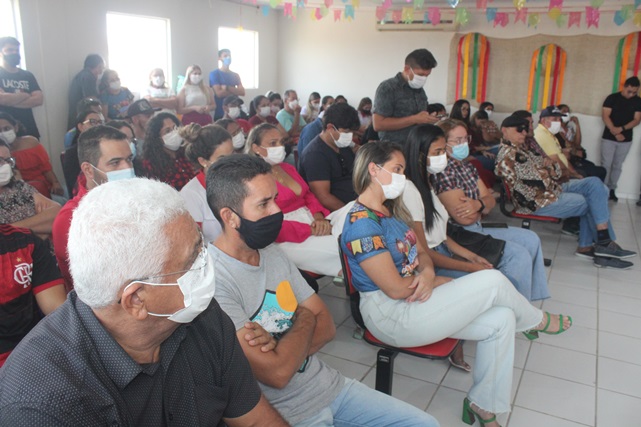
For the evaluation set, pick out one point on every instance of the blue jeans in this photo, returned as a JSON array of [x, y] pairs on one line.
[[454, 274], [586, 198], [359, 405], [522, 260]]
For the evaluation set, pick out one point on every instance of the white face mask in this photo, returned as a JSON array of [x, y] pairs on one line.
[[275, 155], [238, 140], [6, 173], [437, 163], [233, 112], [158, 81], [565, 118], [555, 127], [173, 140], [489, 113], [316, 105], [115, 85], [195, 79], [344, 139], [117, 175], [395, 188], [197, 286], [293, 104], [264, 111], [417, 81], [8, 136]]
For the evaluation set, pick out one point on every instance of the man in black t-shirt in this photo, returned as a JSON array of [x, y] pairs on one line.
[[84, 85], [19, 90], [621, 113], [329, 158]]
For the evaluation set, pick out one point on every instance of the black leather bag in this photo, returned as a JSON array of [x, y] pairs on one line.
[[481, 244]]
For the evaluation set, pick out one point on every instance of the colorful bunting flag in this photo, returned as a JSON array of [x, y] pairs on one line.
[[490, 14], [453, 3], [407, 15], [518, 4], [418, 4], [618, 18], [434, 15], [592, 16], [387, 4], [481, 5], [562, 20], [575, 19], [337, 14], [329, 3], [637, 19], [596, 3], [380, 13], [396, 16], [426, 18], [520, 15], [462, 16], [356, 4], [533, 20], [555, 4], [501, 19], [287, 9], [637, 3], [349, 12], [265, 10]]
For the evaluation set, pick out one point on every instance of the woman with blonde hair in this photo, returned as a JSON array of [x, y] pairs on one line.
[[204, 145], [158, 92], [404, 304], [195, 99]]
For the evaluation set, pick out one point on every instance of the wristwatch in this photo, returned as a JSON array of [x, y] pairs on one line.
[[482, 208]]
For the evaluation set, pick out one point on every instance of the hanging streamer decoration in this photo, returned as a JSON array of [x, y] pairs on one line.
[[548, 64], [629, 47], [471, 67]]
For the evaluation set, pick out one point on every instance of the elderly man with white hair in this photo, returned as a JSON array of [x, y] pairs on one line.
[[140, 341]]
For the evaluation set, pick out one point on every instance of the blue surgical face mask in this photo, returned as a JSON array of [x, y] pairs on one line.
[[461, 151], [227, 61], [116, 175]]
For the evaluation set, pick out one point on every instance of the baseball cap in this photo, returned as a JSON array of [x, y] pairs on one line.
[[551, 111], [142, 106], [232, 99], [514, 122]]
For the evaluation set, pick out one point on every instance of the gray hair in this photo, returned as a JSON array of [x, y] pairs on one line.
[[117, 235]]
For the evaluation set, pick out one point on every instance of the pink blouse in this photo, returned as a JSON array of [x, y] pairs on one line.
[[288, 201]]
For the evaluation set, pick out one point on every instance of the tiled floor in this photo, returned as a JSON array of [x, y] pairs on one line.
[[589, 376]]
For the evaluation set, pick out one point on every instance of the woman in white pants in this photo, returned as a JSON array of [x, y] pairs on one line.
[[404, 304], [306, 236]]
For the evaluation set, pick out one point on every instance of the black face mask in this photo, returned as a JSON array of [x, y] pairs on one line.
[[12, 59], [262, 233]]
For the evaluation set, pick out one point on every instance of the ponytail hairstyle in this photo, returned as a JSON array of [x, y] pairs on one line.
[[416, 150], [378, 152]]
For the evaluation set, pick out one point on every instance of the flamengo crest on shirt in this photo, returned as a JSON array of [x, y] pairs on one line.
[[22, 274]]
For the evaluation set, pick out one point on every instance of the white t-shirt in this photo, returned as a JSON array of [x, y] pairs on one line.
[[414, 203], [194, 96], [160, 92], [195, 198]]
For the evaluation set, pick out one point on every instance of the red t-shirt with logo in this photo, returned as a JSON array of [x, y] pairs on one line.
[[27, 267]]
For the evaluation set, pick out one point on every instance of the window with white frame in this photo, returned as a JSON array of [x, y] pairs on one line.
[[243, 45], [138, 44], [10, 24]]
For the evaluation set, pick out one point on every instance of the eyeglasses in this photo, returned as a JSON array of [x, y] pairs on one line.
[[199, 263], [523, 128], [460, 140], [8, 160], [94, 122]]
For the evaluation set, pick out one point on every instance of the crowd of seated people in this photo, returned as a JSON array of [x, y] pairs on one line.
[[212, 178]]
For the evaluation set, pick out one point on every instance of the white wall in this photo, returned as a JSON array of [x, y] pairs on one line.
[[352, 58], [57, 35]]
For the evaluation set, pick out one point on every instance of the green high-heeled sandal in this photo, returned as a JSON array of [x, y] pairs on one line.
[[532, 335], [470, 415]]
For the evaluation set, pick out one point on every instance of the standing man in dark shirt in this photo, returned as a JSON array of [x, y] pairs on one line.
[[85, 84], [621, 113], [224, 82], [400, 102], [140, 341], [329, 158], [19, 90]]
